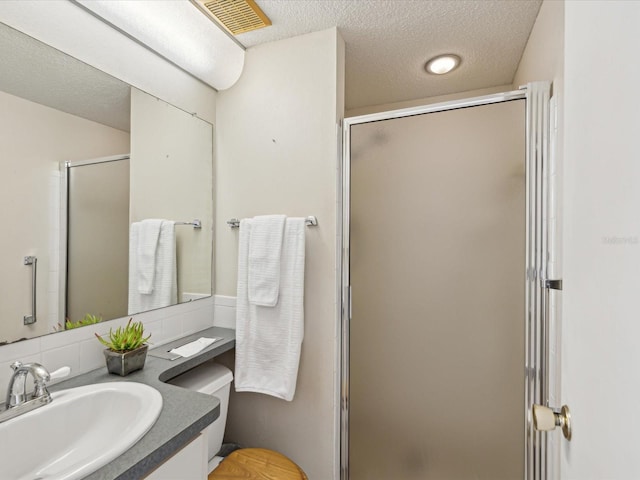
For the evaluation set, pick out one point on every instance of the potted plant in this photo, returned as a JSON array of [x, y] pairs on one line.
[[126, 348]]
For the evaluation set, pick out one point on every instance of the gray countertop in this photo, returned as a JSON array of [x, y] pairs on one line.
[[184, 413]]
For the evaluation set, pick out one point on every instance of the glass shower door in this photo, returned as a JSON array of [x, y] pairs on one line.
[[437, 335]]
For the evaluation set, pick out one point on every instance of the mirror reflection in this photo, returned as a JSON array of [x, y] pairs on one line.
[[101, 183]]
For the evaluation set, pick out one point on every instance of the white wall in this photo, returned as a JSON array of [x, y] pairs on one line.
[[70, 29], [601, 328], [36, 140], [277, 153]]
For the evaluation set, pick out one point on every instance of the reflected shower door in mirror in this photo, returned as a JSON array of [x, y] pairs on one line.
[[97, 239], [55, 109]]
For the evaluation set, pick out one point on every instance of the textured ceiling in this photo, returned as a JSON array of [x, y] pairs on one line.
[[389, 41], [42, 74]]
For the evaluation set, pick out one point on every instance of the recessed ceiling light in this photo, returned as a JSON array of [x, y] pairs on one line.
[[442, 64]]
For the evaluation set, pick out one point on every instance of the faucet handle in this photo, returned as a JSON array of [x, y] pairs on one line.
[[16, 365], [42, 377], [60, 373]]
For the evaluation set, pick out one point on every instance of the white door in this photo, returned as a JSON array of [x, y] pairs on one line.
[[600, 350]]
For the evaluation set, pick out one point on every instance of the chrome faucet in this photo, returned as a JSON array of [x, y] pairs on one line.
[[17, 391], [18, 400]]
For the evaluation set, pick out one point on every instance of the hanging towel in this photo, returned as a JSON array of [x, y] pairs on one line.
[[164, 289], [269, 339], [265, 247], [146, 254]]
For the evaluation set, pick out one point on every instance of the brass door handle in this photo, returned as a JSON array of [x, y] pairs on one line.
[[546, 419]]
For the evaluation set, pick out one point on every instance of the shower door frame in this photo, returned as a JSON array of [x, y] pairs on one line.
[[65, 169], [535, 316]]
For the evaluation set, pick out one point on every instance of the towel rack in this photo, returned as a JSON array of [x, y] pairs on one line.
[[196, 223], [310, 221]]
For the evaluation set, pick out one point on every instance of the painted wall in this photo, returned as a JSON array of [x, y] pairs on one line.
[[277, 153], [600, 378], [543, 59], [70, 29], [172, 178], [35, 141]]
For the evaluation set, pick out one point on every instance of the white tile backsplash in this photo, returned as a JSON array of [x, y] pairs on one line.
[[91, 356], [68, 356], [80, 350], [155, 330], [172, 327], [224, 314], [17, 350]]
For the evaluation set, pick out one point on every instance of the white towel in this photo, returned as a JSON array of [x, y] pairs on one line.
[[164, 289], [190, 349], [146, 247], [269, 339], [265, 247]]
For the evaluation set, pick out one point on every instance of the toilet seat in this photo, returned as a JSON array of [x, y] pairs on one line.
[[257, 464]]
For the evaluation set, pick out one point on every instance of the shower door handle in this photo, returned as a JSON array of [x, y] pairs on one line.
[[33, 261], [547, 285]]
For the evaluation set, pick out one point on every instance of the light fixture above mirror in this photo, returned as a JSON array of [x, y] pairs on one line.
[[177, 32]]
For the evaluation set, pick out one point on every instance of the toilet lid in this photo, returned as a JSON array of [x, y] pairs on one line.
[[257, 464]]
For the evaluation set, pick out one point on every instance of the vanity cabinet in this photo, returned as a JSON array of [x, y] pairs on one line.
[[189, 463]]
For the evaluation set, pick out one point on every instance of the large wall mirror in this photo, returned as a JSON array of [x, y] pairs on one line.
[[106, 192]]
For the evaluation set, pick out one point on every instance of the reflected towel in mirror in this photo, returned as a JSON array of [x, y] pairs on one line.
[[164, 291]]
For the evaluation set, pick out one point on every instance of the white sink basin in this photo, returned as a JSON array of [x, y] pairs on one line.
[[81, 430]]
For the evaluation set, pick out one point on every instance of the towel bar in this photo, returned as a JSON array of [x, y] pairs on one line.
[[196, 223], [310, 221]]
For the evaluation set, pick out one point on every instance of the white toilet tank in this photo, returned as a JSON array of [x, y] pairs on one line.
[[213, 379]]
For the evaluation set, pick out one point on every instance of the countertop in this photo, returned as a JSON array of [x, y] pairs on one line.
[[184, 413]]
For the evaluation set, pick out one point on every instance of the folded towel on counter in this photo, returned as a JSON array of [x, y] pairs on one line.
[[265, 248], [194, 347], [269, 339], [148, 235]]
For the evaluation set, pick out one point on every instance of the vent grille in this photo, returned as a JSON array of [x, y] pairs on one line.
[[237, 16]]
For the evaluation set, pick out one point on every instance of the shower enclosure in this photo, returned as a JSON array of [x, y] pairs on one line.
[[441, 337]]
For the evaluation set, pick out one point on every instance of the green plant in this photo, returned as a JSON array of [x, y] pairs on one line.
[[87, 320], [125, 339]]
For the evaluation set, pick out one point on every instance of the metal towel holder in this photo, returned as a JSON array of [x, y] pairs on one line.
[[310, 221]]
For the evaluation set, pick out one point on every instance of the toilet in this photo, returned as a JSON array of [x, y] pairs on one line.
[[214, 379]]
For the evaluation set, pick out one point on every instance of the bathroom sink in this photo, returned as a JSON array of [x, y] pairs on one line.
[[81, 430]]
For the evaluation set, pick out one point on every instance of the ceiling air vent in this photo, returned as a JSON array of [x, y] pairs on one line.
[[237, 16]]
